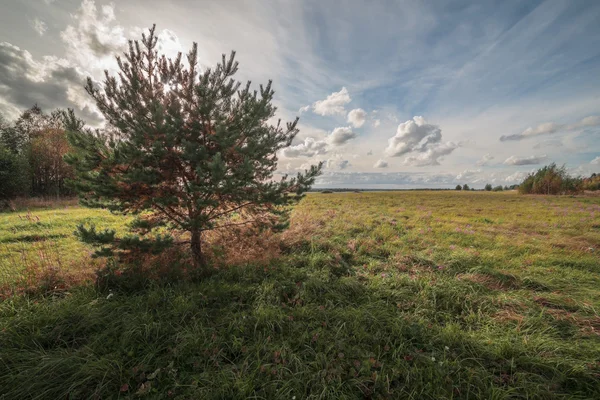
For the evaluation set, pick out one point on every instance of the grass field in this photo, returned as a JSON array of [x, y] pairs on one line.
[[420, 295]]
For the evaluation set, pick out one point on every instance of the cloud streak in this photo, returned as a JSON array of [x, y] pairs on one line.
[[549, 128], [530, 160]]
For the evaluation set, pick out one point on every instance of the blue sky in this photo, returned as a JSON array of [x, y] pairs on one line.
[[389, 93]]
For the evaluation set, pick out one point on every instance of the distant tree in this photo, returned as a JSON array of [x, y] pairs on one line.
[[193, 152], [498, 188], [14, 178], [41, 139], [506, 187], [458, 187], [465, 187], [551, 180], [488, 187]]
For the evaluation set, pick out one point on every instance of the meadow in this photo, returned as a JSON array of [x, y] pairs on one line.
[[387, 295]]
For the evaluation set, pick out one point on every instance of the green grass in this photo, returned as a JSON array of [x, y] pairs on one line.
[[422, 295]]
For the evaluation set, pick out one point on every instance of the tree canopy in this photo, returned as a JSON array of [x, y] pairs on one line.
[[187, 150]]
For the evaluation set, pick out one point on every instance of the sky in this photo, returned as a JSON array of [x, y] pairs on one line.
[[390, 94]]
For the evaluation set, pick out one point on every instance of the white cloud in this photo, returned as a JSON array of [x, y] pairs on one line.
[[341, 135], [517, 177], [357, 117], [376, 123], [595, 161], [548, 128], [309, 148], [468, 174], [337, 164], [333, 104], [304, 109], [531, 160], [432, 156], [413, 135], [592, 120], [39, 26], [484, 160], [370, 152], [380, 164]]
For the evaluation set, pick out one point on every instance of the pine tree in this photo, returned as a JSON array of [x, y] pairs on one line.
[[190, 151]]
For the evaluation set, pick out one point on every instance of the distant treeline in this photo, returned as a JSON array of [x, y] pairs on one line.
[[328, 190]]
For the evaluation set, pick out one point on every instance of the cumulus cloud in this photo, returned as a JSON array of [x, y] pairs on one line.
[[334, 103], [431, 156], [531, 160], [341, 136], [422, 139], [50, 83], [94, 38], [413, 135], [376, 123], [595, 161], [39, 26], [485, 160], [549, 128], [357, 117], [380, 164], [310, 147]]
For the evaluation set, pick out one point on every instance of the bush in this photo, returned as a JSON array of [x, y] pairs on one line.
[[592, 183], [488, 187], [551, 179], [498, 188], [458, 187]]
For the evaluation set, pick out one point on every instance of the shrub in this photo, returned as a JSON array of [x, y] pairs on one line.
[[592, 183], [498, 188], [458, 187], [488, 187], [551, 179]]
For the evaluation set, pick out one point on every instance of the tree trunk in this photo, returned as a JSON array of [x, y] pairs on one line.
[[196, 246]]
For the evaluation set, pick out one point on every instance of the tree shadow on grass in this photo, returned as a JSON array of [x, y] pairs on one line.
[[301, 326]]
